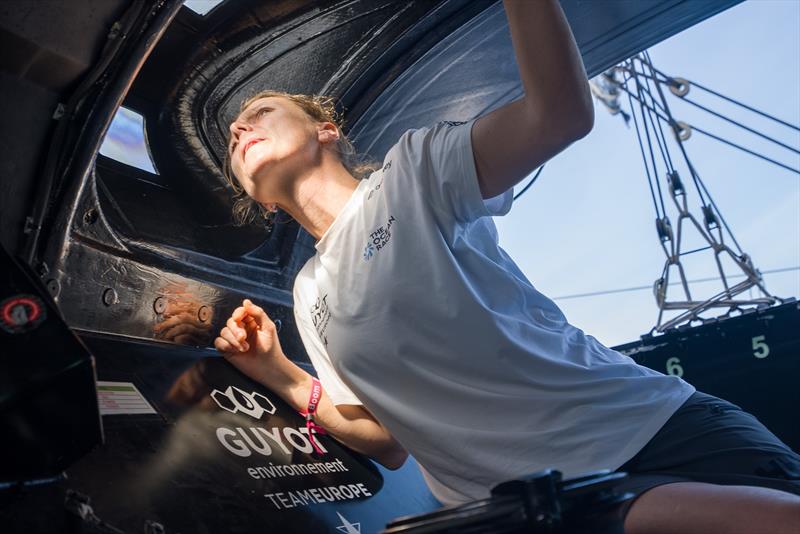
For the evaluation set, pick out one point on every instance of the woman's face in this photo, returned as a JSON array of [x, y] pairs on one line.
[[272, 141]]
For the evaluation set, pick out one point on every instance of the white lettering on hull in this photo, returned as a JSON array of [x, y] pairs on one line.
[[292, 499], [244, 442]]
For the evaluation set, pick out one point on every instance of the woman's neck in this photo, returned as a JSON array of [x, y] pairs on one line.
[[319, 197]]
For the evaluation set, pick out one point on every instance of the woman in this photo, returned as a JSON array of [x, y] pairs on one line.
[[426, 337]]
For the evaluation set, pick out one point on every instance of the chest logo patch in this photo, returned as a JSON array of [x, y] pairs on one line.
[[379, 239]]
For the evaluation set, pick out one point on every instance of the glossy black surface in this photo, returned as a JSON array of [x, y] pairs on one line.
[[752, 360], [202, 465], [48, 405], [537, 503]]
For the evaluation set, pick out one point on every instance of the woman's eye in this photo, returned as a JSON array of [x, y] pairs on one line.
[[262, 112]]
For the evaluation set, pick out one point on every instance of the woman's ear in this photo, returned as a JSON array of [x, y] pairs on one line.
[[327, 132]]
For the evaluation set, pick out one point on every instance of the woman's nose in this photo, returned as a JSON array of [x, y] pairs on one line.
[[237, 127]]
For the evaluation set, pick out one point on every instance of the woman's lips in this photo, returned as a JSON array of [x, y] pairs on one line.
[[249, 144]]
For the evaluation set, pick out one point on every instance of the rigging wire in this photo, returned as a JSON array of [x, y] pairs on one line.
[[698, 182], [671, 121], [756, 154], [722, 140], [664, 149], [644, 158], [654, 109], [740, 125], [640, 288], [529, 184], [672, 81], [662, 138], [650, 148]]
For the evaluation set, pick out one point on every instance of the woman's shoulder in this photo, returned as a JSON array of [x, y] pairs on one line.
[[420, 142]]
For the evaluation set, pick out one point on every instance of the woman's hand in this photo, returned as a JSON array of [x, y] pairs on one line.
[[250, 342]]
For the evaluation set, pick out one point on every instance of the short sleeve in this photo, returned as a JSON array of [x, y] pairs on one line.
[[331, 383], [443, 159]]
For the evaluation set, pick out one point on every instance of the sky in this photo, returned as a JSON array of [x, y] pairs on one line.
[[587, 224]]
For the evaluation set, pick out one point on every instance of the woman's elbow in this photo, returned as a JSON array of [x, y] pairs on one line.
[[579, 121], [394, 458], [584, 122]]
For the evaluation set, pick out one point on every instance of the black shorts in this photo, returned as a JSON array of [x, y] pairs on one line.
[[711, 440]]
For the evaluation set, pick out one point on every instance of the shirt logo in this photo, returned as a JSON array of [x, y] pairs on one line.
[[321, 316], [453, 123], [378, 239]]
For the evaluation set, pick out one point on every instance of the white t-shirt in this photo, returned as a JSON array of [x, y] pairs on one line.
[[411, 308]]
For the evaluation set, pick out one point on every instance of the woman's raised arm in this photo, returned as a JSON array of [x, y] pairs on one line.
[[556, 109]]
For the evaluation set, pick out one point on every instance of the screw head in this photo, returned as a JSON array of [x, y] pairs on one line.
[[110, 296], [90, 217], [160, 305], [53, 287]]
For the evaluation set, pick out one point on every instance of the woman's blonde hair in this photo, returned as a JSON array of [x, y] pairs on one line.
[[318, 109]]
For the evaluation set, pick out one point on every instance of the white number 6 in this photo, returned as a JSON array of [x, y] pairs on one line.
[[674, 367], [760, 349]]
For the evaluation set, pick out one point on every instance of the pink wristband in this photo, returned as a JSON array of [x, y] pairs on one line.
[[313, 403]]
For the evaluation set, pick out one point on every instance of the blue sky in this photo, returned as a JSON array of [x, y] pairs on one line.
[[125, 141], [587, 224]]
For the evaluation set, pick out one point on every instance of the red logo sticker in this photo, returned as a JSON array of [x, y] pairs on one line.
[[21, 313]]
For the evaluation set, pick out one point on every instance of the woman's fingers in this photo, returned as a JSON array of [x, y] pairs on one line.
[[223, 346], [239, 313], [233, 340], [245, 320], [257, 313], [235, 328], [250, 324]]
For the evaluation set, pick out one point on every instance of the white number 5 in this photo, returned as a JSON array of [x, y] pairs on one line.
[[760, 349]]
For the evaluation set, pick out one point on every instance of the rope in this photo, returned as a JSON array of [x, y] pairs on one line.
[[650, 286], [529, 184]]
